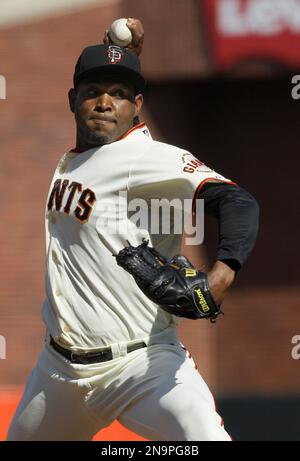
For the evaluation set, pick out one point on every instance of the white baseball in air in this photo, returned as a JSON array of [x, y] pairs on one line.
[[119, 33]]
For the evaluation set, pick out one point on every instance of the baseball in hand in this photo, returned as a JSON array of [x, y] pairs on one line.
[[119, 33]]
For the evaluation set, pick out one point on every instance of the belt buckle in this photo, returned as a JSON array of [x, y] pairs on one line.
[[72, 357]]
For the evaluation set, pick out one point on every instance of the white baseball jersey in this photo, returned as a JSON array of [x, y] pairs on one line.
[[91, 302]]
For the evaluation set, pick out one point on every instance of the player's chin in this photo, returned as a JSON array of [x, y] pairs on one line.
[[99, 137]]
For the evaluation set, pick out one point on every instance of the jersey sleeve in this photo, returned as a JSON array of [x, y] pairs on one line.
[[171, 173]]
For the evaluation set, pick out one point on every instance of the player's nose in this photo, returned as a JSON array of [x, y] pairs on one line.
[[104, 102]]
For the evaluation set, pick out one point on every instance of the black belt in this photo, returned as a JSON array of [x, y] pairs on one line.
[[91, 357]]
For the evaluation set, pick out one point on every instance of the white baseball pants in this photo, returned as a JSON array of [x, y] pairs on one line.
[[155, 392]]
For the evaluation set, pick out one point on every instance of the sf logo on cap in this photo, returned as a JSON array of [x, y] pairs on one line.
[[115, 54]]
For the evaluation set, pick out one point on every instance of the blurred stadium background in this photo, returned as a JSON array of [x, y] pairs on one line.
[[219, 84]]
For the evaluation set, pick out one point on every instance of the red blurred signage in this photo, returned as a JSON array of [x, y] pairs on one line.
[[247, 29]]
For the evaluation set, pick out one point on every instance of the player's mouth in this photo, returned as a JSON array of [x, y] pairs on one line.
[[100, 120]]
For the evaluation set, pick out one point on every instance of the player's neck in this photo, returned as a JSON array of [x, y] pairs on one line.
[[82, 144]]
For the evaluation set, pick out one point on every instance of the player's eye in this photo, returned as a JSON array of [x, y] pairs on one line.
[[92, 92], [119, 94]]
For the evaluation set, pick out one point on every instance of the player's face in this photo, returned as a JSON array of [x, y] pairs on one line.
[[104, 111]]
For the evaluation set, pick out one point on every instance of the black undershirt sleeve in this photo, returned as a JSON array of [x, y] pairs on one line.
[[237, 213]]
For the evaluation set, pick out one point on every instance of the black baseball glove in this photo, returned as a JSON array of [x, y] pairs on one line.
[[174, 284]]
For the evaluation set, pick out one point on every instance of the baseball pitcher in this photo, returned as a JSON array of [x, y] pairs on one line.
[[115, 289]]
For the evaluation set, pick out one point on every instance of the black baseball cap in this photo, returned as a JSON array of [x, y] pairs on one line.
[[109, 59]]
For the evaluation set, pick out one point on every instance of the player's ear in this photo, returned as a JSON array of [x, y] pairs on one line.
[[138, 101], [72, 99]]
